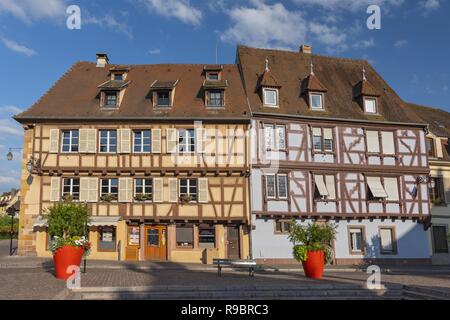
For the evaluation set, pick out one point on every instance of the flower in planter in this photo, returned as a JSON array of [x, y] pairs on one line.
[[142, 197], [185, 198], [108, 197]]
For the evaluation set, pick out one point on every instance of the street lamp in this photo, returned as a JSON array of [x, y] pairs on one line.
[[11, 212], [9, 155]]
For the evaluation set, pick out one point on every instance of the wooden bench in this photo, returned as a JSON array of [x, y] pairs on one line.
[[230, 263]]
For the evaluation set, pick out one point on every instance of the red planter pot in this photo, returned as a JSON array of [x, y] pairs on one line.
[[315, 264], [64, 257]]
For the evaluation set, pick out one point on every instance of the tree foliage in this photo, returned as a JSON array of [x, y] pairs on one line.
[[67, 220]]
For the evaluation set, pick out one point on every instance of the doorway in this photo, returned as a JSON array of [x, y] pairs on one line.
[[233, 249], [155, 242]]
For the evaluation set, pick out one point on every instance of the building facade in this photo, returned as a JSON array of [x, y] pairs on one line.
[[157, 152], [334, 143]]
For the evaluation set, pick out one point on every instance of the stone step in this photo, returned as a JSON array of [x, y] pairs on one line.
[[426, 293]]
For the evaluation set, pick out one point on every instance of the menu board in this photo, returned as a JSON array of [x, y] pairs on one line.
[[133, 236], [107, 235]]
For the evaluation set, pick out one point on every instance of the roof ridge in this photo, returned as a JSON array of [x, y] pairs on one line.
[[155, 64], [424, 106]]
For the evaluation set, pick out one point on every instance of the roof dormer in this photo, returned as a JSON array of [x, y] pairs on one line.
[[366, 95], [269, 88], [163, 93], [213, 72], [112, 92], [314, 91], [214, 86], [118, 73]]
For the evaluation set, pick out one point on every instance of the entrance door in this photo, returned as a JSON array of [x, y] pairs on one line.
[[233, 242], [156, 243]]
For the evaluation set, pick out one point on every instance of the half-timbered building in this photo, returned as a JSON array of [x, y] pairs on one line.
[[334, 142], [157, 152]]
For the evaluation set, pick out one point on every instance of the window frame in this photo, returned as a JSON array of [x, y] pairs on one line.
[[142, 145], [157, 98], [394, 250], [71, 186], [100, 231], [433, 147], [375, 100], [276, 189], [190, 147], [275, 141], [313, 187], [184, 226], [110, 186], [206, 227], [435, 250], [322, 101], [188, 188], [322, 140], [105, 99], [438, 191], [363, 240], [71, 142], [221, 100], [270, 105], [283, 223], [108, 142], [144, 188]]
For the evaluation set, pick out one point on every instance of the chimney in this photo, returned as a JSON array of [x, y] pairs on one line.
[[306, 48], [102, 60]]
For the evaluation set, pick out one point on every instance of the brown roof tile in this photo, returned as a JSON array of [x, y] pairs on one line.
[[437, 119], [311, 83], [267, 79], [75, 94]]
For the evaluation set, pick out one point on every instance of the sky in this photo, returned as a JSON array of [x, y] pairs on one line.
[[411, 50]]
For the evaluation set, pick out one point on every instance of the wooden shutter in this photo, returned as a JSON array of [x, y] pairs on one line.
[[54, 141], [90, 138], [391, 187], [203, 190], [387, 138], [84, 189], [156, 141], [93, 190], [158, 186], [200, 139], [125, 189], [83, 141], [331, 187], [446, 182], [373, 143], [171, 140], [321, 186], [55, 189], [124, 139], [376, 187], [173, 190], [439, 153]]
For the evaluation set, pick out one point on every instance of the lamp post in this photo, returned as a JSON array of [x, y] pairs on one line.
[[12, 212], [10, 155]]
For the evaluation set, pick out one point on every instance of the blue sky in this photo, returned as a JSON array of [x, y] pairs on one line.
[[411, 51]]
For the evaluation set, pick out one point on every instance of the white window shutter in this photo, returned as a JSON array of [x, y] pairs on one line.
[[317, 132], [268, 136], [158, 186], [391, 187], [83, 141], [376, 187], [203, 190], [173, 190], [156, 141], [200, 139], [447, 189], [321, 186], [387, 138], [124, 138], [125, 189], [84, 189], [328, 133], [91, 141], [171, 140], [54, 141], [93, 190], [55, 189], [373, 143], [331, 187], [438, 143]]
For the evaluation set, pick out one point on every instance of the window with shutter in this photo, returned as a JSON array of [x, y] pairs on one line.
[[373, 142], [331, 187], [376, 189], [171, 139], [55, 189], [203, 190], [440, 239], [158, 190], [387, 139], [54, 141], [321, 190], [125, 189], [387, 241], [391, 187], [173, 190], [124, 136], [156, 140], [200, 137], [184, 236]]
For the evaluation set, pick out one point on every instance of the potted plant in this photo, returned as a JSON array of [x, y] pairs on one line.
[[108, 197], [312, 246], [142, 197], [185, 198], [67, 224]]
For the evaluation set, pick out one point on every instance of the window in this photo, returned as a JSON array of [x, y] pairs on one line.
[[275, 136], [163, 98], [153, 237], [430, 147], [134, 236], [376, 190], [206, 236], [215, 98], [282, 226], [186, 140], [270, 97], [110, 99], [316, 100], [69, 141], [118, 76], [387, 241], [380, 142], [107, 240], [370, 105], [324, 187], [212, 76], [109, 189], [71, 188], [188, 188], [185, 236], [108, 141], [357, 240], [440, 240], [322, 140], [142, 141], [276, 186], [143, 189], [436, 190]]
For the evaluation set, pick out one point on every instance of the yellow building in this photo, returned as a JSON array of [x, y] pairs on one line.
[[439, 182], [158, 153]]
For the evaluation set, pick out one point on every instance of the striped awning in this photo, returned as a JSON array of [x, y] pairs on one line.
[[95, 221]]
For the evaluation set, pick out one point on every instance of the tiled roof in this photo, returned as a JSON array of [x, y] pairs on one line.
[[114, 84], [437, 119], [159, 84], [311, 83]]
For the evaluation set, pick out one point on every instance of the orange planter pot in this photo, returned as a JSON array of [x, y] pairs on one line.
[[64, 257], [314, 265]]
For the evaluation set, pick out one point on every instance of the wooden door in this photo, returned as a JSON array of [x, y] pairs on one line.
[[233, 251], [156, 243]]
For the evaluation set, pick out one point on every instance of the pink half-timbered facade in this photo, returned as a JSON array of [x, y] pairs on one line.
[[320, 152]]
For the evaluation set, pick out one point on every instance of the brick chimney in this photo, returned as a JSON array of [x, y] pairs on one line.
[[102, 60], [306, 48]]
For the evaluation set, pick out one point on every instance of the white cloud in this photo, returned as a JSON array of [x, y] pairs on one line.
[[430, 5], [266, 25], [350, 5], [7, 127], [180, 9], [364, 44], [9, 180], [111, 22], [29, 10], [154, 51], [14, 46], [401, 43], [11, 109], [331, 36]]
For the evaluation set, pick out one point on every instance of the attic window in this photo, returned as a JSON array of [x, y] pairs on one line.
[[118, 76], [370, 105], [270, 97], [163, 98], [316, 101], [110, 99], [213, 76], [215, 98]]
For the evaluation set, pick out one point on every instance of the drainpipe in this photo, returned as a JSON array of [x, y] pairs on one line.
[[250, 242]]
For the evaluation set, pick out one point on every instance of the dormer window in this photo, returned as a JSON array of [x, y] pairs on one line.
[[117, 76], [370, 105], [212, 76], [110, 99], [215, 98], [270, 97], [163, 98], [163, 92], [316, 101], [430, 148]]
